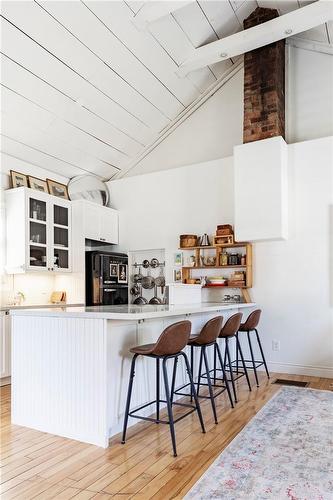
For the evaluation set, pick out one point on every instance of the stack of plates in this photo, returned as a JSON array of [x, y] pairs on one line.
[[216, 280]]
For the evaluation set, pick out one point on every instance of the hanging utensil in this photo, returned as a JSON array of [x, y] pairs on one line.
[[155, 300], [135, 290], [137, 278], [146, 263], [160, 280], [148, 281], [154, 263]]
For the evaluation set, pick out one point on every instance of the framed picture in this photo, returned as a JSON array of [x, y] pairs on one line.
[[57, 189], [122, 273], [114, 270], [38, 184], [177, 275], [178, 259], [17, 179]]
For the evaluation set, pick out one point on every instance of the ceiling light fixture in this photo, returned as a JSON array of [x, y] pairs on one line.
[[288, 31], [224, 54]]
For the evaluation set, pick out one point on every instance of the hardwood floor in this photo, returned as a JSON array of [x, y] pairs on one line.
[[42, 466]]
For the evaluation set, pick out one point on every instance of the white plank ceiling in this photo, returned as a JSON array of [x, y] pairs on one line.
[[83, 89]]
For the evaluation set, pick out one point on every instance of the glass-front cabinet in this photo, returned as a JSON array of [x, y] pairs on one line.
[[44, 222]]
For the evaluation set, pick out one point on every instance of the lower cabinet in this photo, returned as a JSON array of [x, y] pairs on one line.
[[5, 351]]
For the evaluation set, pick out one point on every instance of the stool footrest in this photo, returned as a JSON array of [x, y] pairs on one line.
[[188, 394], [249, 364], [239, 375], [151, 419]]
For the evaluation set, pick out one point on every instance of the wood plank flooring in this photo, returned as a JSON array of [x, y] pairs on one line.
[[42, 466]]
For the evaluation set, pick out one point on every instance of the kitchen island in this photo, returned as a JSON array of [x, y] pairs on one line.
[[70, 367]]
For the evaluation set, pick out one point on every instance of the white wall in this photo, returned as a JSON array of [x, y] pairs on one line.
[[309, 95], [213, 130], [292, 278], [156, 208]]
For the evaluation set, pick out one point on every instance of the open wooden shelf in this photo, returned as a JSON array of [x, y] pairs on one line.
[[223, 286], [215, 267], [211, 247], [186, 270]]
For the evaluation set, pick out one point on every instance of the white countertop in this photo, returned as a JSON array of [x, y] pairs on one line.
[[130, 311], [35, 306]]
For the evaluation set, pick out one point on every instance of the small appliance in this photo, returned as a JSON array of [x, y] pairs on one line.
[[106, 278]]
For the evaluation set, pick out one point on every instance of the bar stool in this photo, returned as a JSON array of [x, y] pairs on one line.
[[207, 337], [229, 331], [169, 345], [250, 325]]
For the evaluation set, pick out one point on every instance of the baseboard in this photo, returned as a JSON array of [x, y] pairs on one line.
[[313, 371]]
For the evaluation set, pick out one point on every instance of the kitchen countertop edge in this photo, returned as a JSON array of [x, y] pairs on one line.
[[137, 314], [37, 306]]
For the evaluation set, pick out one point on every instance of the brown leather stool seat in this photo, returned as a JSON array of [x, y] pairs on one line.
[[207, 337], [251, 322], [250, 325], [229, 331], [170, 344]]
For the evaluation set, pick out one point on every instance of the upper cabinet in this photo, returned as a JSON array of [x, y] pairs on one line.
[[97, 222], [38, 232]]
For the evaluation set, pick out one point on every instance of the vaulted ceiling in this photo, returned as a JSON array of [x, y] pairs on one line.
[[85, 89]]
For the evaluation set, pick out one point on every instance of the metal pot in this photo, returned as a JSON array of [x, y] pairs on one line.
[[146, 263], [154, 263], [148, 282], [155, 300], [140, 301]]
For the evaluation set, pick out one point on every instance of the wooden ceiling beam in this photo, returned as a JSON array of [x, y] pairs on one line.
[[281, 27]]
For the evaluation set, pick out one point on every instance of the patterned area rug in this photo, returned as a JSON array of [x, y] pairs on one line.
[[285, 452]]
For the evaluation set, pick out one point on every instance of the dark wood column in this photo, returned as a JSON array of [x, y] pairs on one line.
[[264, 85]]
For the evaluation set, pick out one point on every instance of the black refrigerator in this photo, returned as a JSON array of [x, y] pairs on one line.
[[106, 278]]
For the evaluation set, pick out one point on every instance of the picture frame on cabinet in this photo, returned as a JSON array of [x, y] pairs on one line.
[[177, 275], [57, 189], [178, 259], [114, 270], [17, 179], [38, 184], [122, 273]]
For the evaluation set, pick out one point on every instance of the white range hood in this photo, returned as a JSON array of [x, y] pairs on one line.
[[261, 190]]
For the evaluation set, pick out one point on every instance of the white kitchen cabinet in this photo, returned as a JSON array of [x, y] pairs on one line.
[[4, 346], [99, 223], [38, 232]]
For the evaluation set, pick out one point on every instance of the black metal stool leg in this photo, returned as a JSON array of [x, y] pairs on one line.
[[262, 352], [230, 368], [214, 363], [157, 389], [192, 367], [209, 382], [174, 372], [237, 371], [224, 375], [199, 373], [239, 349], [129, 395], [169, 405], [194, 392], [252, 357]]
